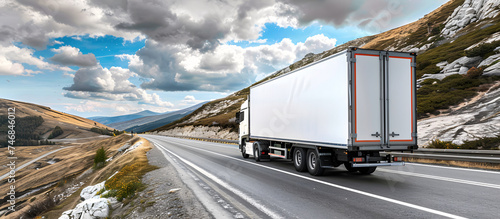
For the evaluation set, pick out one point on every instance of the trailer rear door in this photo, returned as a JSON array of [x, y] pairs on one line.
[[400, 95], [382, 100], [367, 97]]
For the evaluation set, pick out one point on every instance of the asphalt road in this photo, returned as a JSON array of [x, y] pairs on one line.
[[230, 186]]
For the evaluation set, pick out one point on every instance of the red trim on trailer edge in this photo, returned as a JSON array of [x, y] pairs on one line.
[[356, 104], [411, 98]]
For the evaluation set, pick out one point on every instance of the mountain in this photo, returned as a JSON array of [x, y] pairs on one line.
[[115, 119], [458, 63], [146, 123], [38, 122]]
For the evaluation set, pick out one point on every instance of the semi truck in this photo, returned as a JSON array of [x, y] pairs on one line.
[[350, 109]]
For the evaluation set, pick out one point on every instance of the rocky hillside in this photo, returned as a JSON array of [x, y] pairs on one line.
[[458, 62], [72, 126]]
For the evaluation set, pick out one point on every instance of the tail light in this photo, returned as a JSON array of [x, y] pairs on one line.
[[358, 159]]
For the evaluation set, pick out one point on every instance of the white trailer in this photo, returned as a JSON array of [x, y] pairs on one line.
[[344, 109]]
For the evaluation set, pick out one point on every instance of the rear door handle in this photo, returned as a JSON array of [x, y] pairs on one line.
[[376, 134], [393, 134]]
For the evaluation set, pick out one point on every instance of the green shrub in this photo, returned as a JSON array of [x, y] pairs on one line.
[[436, 143], [56, 132], [491, 143], [100, 158], [125, 183], [484, 50]]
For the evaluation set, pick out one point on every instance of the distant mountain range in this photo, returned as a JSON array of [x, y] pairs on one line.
[[115, 119], [145, 120]]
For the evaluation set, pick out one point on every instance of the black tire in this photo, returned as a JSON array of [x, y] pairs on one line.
[[349, 167], [243, 149], [366, 170], [314, 163], [256, 154], [300, 160]]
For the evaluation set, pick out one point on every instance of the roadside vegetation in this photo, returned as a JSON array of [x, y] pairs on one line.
[[127, 181], [490, 143]]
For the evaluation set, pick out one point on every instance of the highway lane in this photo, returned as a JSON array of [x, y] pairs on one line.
[[274, 189]]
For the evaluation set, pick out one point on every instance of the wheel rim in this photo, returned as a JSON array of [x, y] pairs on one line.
[[298, 158], [312, 160], [244, 149]]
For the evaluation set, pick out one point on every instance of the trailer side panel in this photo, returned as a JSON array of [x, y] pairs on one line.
[[309, 105]]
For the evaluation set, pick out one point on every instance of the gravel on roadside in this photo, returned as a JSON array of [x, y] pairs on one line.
[[165, 196]]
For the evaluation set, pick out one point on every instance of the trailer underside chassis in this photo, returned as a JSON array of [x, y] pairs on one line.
[[316, 159]]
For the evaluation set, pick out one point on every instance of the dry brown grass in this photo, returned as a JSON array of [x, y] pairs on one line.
[[137, 157], [25, 154], [73, 161], [73, 126], [414, 32], [466, 164]]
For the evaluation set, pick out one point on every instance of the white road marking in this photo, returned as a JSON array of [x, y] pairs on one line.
[[429, 210], [455, 168], [494, 186], [239, 193]]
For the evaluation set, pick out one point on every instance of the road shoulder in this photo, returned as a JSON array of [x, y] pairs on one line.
[[166, 195]]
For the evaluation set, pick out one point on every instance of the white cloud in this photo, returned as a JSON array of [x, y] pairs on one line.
[[71, 56], [10, 68], [110, 84], [226, 68], [12, 58]]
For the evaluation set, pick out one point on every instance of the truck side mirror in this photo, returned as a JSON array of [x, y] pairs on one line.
[[238, 117]]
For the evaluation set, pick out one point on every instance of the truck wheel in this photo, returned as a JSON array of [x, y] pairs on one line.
[[243, 150], [349, 167], [366, 170], [299, 159], [256, 154], [313, 163]]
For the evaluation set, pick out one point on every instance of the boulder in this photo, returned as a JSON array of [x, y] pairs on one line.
[[490, 60], [91, 191], [92, 208], [463, 70], [492, 70]]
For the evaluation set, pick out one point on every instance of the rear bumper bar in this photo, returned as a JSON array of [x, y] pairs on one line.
[[378, 164]]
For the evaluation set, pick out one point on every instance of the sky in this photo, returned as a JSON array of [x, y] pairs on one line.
[[116, 57]]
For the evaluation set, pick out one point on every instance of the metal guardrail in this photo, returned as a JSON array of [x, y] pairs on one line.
[[481, 156]]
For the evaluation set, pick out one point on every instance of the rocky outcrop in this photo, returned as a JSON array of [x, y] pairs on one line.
[[469, 12], [459, 66], [215, 132], [93, 206], [480, 118]]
